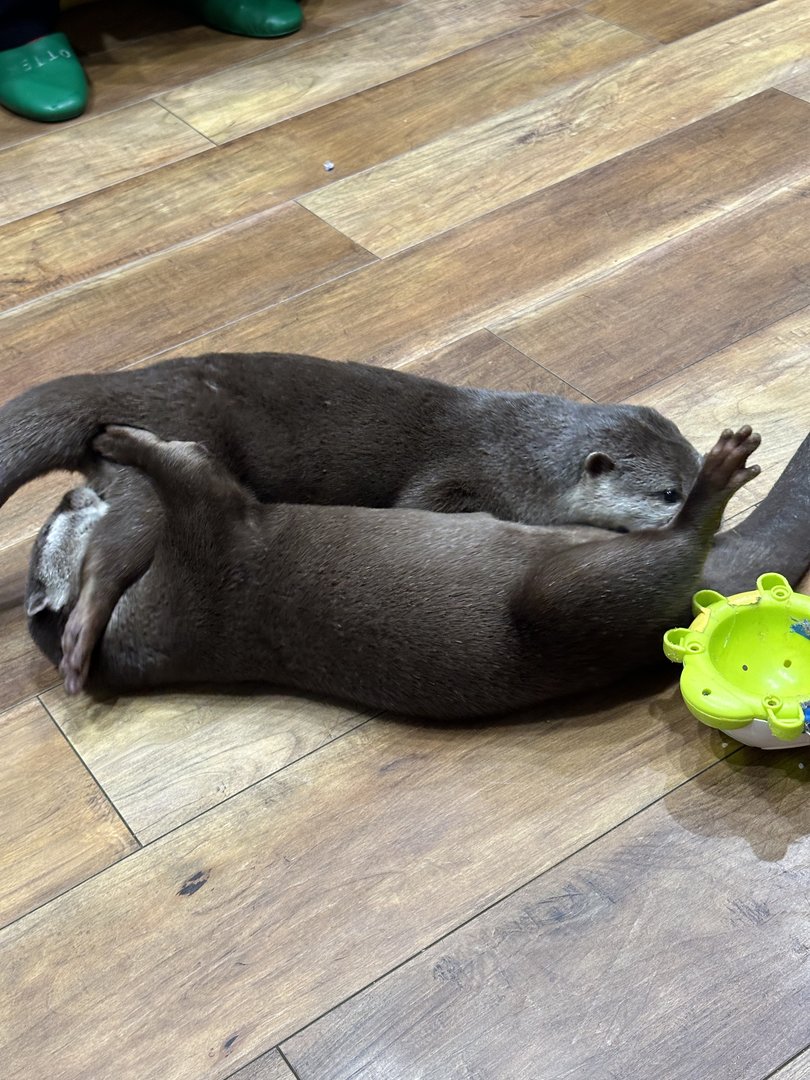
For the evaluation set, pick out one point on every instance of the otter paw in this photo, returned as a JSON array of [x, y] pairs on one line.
[[78, 642], [723, 469], [122, 445]]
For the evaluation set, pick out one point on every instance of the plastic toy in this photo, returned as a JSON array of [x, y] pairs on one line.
[[746, 663]]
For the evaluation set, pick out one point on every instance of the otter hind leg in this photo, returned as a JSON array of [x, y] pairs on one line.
[[120, 551], [189, 480]]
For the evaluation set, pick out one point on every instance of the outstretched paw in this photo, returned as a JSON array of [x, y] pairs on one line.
[[123, 445], [723, 470], [722, 473]]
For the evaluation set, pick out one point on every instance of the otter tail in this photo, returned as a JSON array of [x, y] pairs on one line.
[[48, 427], [52, 426]]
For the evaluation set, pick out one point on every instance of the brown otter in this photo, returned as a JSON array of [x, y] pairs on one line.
[[421, 613], [301, 429]]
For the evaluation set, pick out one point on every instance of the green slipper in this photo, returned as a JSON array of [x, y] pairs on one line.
[[43, 80], [250, 18]]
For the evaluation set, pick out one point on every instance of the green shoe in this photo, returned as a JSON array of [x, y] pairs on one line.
[[250, 18], [43, 80]]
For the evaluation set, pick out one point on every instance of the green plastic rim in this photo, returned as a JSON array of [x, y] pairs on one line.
[[747, 657]]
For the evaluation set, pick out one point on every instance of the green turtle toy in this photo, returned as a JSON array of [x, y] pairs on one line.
[[746, 663]]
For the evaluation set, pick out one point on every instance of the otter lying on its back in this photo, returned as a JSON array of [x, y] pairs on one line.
[[431, 614], [304, 430]]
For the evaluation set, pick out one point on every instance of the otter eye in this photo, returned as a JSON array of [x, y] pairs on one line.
[[671, 495]]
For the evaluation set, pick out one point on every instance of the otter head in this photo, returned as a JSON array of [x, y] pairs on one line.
[[636, 475], [54, 573]]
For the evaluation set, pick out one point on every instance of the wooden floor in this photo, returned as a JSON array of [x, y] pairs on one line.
[[607, 199]]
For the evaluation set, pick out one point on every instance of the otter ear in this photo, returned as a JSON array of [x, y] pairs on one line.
[[597, 464], [36, 600]]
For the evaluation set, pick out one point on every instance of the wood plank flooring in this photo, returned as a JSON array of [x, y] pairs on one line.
[[369, 52], [81, 159], [797, 1069], [270, 1066], [595, 968], [607, 199], [177, 295], [668, 308], [134, 51], [182, 201], [55, 833], [495, 162], [664, 21]]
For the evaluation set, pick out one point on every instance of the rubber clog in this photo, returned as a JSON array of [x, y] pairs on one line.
[[249, 18], [43, 80]]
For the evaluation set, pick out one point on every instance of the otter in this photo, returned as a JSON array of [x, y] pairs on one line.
[[307, 430], [434, 615]]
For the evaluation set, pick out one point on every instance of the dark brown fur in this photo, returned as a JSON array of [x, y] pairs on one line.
[[428, 614], [305, 430]]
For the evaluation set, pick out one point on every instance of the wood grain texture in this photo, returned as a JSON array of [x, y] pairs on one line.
[[131, 52], [665, 21], [676, 304], [92, 155], [270, 1066], [165, 758], [179, 294], [797, 1069], [799, 83], [511, 261], [25, 670], [188, 198], [484, 360], [255, 95], [290, 896], [490, 164], [599, 968], [761, 380], [56, 825]]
